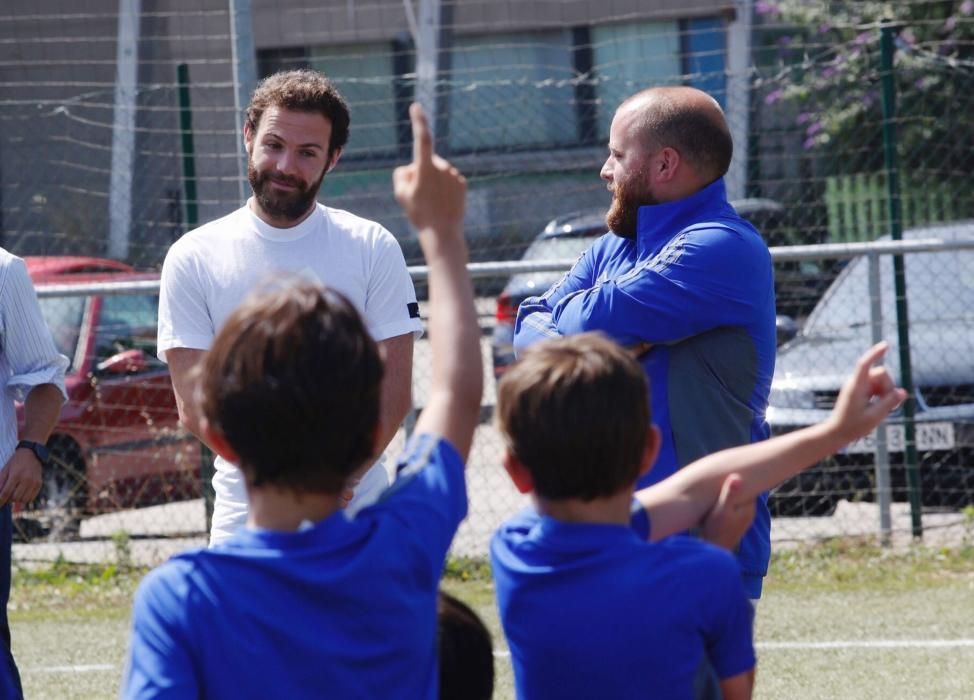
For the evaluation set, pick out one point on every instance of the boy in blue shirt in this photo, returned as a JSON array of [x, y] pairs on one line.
[[322, 605], [590, 608]]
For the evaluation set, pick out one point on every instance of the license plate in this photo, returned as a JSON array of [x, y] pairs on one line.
[[929, 436]]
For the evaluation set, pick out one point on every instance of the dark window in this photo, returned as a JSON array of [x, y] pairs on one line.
[[630, 57], [704, 56], [270, 61]]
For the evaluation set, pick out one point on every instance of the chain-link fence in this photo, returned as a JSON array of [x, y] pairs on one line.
[[123, 465], [121, 130]]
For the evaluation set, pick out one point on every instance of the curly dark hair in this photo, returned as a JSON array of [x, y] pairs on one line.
[[303, 90]]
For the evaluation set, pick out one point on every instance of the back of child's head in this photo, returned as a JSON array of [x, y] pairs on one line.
[[292, 383], [466, 652], [575, 412]]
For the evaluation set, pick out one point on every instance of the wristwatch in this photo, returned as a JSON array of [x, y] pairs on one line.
[[40, 451]]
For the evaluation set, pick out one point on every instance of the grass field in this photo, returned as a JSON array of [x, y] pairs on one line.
[[838, 620]]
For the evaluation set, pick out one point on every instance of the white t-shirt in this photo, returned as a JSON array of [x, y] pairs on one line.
[[209, 271]]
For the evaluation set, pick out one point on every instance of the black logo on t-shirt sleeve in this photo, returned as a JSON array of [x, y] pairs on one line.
[[413, 309]]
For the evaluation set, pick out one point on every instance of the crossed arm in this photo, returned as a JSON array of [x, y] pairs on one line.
[[681, 291]]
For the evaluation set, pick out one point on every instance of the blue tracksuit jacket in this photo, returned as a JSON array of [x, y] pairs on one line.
[[697, 283]]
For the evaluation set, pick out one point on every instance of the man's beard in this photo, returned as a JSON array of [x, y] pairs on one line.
[[286, 206], [624, 212]]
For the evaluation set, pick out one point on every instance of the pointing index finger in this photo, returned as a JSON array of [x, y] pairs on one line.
[[870, 356], [422, 139]]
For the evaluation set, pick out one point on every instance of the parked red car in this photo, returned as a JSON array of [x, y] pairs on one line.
[[118, 443]]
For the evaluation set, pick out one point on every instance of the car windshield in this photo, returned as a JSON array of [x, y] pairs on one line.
[[940, 288], [558, 247], [63, 316], [127, 322]]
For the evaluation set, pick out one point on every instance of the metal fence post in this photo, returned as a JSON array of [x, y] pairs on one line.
[[188, 148], [123, 128], [896, 233], [409, 422], [192, 220], [883, 490], [244, 78], [207, 470], [430, 30]]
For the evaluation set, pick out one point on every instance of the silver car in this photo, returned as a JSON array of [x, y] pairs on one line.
[[811, 368]]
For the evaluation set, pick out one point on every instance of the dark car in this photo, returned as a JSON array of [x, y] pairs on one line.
[[811, 368], [798, 285], [564, 238], [118, 443]]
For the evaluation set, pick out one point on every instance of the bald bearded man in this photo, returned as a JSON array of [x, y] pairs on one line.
[[683, 280]]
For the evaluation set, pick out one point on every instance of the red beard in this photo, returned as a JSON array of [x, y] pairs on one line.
[[624, 212]]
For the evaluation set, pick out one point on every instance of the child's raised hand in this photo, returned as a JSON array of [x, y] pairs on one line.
[[867, 397], [430, 190]]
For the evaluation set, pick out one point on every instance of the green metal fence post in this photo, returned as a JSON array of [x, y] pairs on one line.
[[887, 35], [192, 221], [188, 148]]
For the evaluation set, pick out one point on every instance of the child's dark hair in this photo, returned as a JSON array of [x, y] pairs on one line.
[[466, 652], [292, 383], [575, 413]]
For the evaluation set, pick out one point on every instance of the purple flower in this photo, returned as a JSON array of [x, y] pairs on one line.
[[862, 39], [785, 41], [950, 24], [773, 96], [803, 117], [766, 8], [966, 7], [824, 28], [814, 128], [810, 143], [829, 72]]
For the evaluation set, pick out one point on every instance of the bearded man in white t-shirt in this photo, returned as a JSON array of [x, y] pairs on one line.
[[296, 127]]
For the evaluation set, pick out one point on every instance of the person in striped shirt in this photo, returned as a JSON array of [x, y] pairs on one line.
[[32, 371]]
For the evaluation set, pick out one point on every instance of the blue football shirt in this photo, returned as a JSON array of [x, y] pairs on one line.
[[593, 611], [344, 609]]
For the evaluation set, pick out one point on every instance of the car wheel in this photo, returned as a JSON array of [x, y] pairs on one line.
[[56, 512]]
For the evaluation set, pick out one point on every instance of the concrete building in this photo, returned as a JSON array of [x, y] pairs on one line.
[[527, 93]]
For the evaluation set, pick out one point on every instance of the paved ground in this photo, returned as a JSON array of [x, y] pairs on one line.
[[492, 500], [157, 532]]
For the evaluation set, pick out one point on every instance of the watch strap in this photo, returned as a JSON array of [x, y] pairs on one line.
[[39, 449]]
